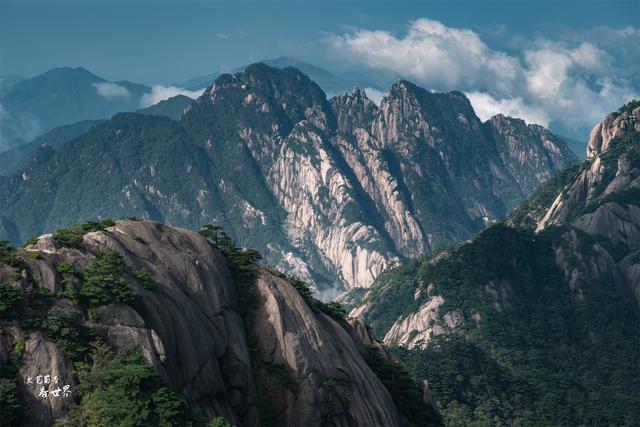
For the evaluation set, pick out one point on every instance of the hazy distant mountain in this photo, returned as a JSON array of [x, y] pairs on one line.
[[329, 82], [67, 95], [331, 190], [579, 148], [14, 159], [198, 82], [61, 96], [9, 80]]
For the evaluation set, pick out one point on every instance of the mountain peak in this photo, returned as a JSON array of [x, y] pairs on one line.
[[626, 119], [285, 95], [70, 73], [353, 110], [500, 118]]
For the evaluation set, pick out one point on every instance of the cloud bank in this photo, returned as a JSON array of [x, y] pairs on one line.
[[575, 83], [160, 93], [111, 90]]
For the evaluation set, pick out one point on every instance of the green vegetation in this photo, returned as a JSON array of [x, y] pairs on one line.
[[71, 237], [139, 239], [145, 279], [10, 404], [332, 309], [117, 386], [544, 196], [10, 407], [30, 241], [241, 262], [626, 145], [65, 267], [70, 280], [219, 422], [70, 336], [39, 298], [406, 394], [103, 282], [542, 353], [8, 255], [10, 297], [629, 106]]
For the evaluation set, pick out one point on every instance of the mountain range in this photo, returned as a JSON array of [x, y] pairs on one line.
[[331, 190], [499, 273], [535, 320], [16, 158], [58, 97], [65, 95], [331, 83]]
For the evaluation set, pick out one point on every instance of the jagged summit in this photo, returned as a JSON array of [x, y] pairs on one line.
[[521, 292], [333, 191], [353, 110]]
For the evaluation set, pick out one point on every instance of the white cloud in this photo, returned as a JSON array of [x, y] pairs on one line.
[[571, 82], [222, 36], [430, 53], [160, 93], [374, 94], [486, 106], [111, 90]]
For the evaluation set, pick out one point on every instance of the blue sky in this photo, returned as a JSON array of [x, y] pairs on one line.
[[526, 57]]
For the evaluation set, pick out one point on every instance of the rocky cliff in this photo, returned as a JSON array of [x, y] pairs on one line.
[[601, 198], [523, 295], [333, 191], [253, 353]]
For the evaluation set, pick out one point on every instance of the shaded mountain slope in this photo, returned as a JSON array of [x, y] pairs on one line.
[[536, 320], [15, 159], [223, 337]]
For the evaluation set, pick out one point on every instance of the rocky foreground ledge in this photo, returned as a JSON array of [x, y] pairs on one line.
[[254, 355]]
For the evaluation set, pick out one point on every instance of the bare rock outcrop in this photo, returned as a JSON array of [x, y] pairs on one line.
[[330, 380], [615, 124], [188, 328]]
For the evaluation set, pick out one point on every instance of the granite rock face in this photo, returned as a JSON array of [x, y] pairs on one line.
[[188, 330], [615, 124], [331, 380], [603, 200], [589, 213]]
